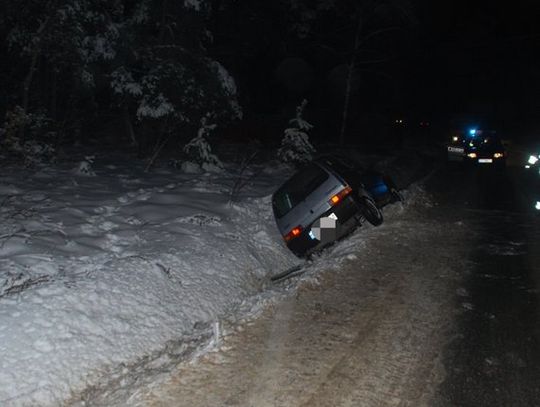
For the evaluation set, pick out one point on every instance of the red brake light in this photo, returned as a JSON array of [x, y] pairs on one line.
[[337, 198], [293, 233]]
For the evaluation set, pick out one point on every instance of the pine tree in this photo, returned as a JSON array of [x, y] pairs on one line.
[[199, 149], [295, 146]]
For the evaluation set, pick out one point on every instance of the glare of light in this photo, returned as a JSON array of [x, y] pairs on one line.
[[527, 166], [471, 144], [455, 138], [293, 233], [340, 195], [532, 159], [472, 132], [537, 206], [498, 155], [471, 155]]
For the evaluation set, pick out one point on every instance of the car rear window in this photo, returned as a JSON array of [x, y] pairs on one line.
[[296, 189]]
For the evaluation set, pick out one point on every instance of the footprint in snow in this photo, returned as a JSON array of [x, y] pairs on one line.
[[462, 292], [140, 195], [468, 306], [201, 220]]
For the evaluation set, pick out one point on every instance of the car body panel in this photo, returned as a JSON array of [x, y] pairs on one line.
[[312, 206]]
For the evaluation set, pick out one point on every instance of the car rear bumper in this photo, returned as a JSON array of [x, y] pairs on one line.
[[487, 161], [345, 212]]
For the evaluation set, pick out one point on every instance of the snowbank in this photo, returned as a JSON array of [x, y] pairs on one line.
[[98, 271]]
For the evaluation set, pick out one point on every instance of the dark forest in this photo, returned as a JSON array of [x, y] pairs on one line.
[[143, 74]]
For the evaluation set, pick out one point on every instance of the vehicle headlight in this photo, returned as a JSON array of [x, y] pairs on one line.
[[471, 155], [537, 206], [532, 159], [498, 155]]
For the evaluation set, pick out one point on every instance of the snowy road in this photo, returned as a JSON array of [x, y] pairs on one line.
[[437, 307], [494, 357], [402, 324], [370, 333]]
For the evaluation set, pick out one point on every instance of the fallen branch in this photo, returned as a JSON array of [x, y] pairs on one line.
[[240, 181], [18, 288]]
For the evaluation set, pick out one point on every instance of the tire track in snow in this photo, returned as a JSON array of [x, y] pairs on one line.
[[370, 334]]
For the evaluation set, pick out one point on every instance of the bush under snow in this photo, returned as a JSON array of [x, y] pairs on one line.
[[295, 146], [199, 150]]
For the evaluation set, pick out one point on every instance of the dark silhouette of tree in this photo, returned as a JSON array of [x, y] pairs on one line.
[[147, 59]]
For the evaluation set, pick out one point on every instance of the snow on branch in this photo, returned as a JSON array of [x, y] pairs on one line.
[[199, 149], [295, 146]]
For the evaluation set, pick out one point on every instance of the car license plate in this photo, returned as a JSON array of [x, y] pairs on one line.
[[456, 149], [485, 160], [322, 227]]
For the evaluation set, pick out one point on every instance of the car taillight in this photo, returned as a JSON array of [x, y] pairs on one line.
[[337, 198], [295, 232]]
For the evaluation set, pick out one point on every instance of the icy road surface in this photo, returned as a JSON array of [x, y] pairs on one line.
[[439, 306], [369, 333]]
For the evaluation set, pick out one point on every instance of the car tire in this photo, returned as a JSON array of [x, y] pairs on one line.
[[369, 210]]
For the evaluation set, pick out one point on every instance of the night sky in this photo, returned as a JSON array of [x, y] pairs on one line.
[[481, 58]]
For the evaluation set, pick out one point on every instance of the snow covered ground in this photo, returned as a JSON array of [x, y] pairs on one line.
[[104, 268]]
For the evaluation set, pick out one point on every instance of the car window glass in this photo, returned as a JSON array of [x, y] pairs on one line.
[[487, 142], [297, 189]]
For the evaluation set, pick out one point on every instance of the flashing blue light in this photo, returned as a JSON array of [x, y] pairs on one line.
[[472, 132]]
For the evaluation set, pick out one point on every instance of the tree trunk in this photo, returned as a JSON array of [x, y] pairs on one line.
[[30, 75], [163, 22], [129, 126], [54, 95], [216, 8], [348, 85]]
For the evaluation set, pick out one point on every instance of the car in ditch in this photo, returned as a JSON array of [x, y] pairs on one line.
[[326, 200]]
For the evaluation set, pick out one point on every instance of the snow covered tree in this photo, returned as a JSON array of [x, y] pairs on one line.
[[149, 58], [295, 146], [166, 81], [53, 47], [198, 149]]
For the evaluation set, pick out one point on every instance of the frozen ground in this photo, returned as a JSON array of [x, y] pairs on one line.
[[365, 327], [437, 307], [107, 271]]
